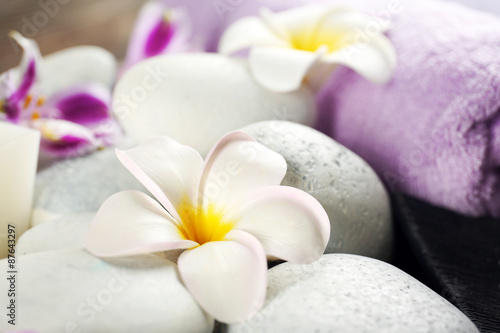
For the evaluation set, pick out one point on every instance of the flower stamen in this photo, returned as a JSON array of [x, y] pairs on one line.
[[41, 101], [27, 101], [202, 225]]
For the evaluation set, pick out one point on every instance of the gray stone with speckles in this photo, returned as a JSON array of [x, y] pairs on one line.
[[349, 293], [350, 191], [80, 185]]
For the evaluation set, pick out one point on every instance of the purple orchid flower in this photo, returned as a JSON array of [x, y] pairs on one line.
[[71, 110], [160, 29], [77, 121], [17, 83]]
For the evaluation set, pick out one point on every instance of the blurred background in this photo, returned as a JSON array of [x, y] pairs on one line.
[[57, 24]]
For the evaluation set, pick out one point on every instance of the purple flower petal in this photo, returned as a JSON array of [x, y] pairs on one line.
[[14, 103], [209, 18], [83, 104], [30, 48], [159, 38], [159, 29], [18, 92], [62, 138], [57, 149], [27, 80], [107, 132], [7, 85], [12, 111]]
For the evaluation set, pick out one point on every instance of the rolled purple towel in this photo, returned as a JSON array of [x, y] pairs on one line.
[[434, 130]]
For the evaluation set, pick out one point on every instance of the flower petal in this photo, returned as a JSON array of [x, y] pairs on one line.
[[306, 21], [289, 223], [159, 38], [28, 77], [235, 166], [282, 69], [375, 60], [75, 66], [27, 70], [168, 169], [7, 85], [337, 28], [87, 105], [129, 223], [227, 278], [248, 32], [83, 104], [65, 139], [349, 19], [296, 21], [159, 29], [20, 81], [206, 20], [108, 132]]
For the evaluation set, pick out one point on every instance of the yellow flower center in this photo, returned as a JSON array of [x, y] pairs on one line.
[[333, 39], [202, 225]]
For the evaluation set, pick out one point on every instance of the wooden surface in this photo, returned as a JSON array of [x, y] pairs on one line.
[[459, 257], [106, 23]]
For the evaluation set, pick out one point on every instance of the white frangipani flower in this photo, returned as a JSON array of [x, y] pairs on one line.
[[228, 213], [308, 42]]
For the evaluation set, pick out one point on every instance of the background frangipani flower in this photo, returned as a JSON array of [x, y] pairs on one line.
[[309, 42], [228, 213], [160, 29], [70, 107]]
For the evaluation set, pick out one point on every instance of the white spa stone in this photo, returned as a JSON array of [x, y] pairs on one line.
[[77, 65], [80, 185], [66, 232], [197, 98], [73, 291], [350, 191], [348, 293]]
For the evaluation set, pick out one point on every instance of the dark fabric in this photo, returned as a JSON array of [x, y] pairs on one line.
[[460, 257]]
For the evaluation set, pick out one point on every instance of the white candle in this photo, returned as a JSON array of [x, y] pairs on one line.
[[18, 160]]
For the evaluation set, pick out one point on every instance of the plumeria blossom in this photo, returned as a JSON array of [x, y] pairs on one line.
[[159, 29], [74, 120], [228, 213], [307, 42]]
